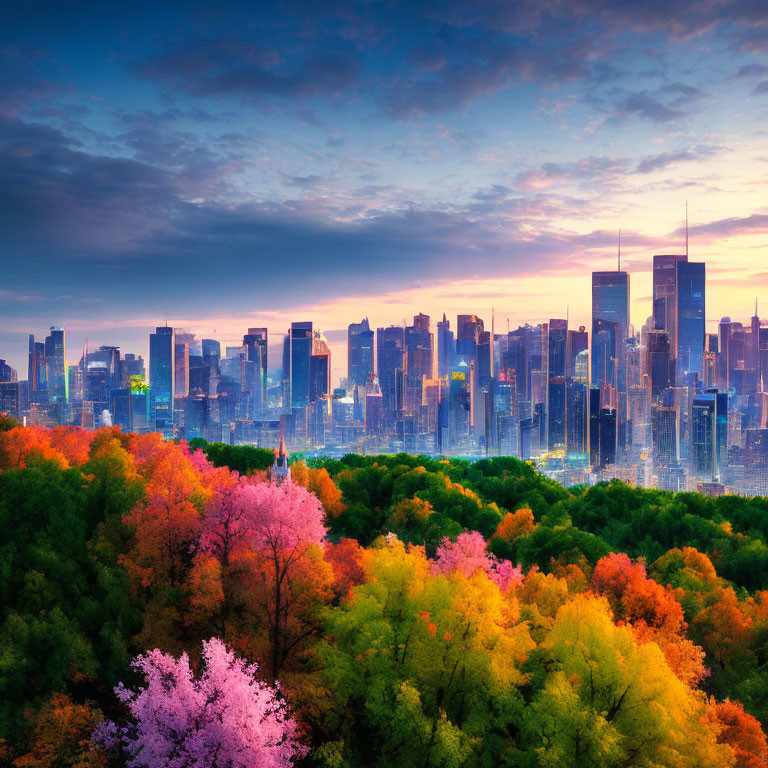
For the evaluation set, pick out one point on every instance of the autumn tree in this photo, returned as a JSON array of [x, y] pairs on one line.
[[21, 446], [318, 481], [347, 559], [741, 732], [652, 610], [514, 524], [62, 736], [421, 668], [225, 716], [607, 699], [468, 554], [166, 522], [278, 530]]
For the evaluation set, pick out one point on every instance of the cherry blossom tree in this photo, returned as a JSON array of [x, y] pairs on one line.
[[224, 717], [281, 526], [468, 554]]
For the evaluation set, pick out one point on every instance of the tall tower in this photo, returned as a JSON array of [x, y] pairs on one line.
[[664, 279], [162, 375], [390, 355], [556, 383], [256, 348], [56, 365], [446, 348], [359, 353], [610, 325], [296, 360], [689, 331]]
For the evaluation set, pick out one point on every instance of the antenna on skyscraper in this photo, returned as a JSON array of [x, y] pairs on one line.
[[686, 229], [166, 316], [619, 254]]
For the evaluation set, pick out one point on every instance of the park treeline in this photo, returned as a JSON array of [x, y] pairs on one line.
[[415, 611]]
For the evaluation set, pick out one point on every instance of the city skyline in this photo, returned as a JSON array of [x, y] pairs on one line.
[[15, 353], [243, 170]]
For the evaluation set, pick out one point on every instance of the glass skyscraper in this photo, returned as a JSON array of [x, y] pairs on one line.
[[610, 323], [390, 352], [299, 351], [162, 375], [359, 353], [690, 300], [556, 383], [56, 365]]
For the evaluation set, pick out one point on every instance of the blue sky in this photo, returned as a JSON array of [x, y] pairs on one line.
[[251, 165]]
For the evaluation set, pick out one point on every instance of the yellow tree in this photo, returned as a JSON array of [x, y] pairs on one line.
[[609, 700]]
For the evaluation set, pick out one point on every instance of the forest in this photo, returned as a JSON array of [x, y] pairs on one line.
[[166, 604]]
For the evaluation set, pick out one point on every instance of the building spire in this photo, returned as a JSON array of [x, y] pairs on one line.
[[283, 451]]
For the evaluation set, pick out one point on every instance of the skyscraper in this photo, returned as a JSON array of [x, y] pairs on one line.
[[468, 330], [446, 348], [56, 365], [418, 360], [610, 324], [390, 355], [664, 280], [359, 353], [256, 343], [36, 373], [709, 435], [7, 374], [162, 375], [181, 363], [659, 367], [690, 301], [557, 344], [297, 350]]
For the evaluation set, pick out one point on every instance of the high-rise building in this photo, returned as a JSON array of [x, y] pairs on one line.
[[36, 372], [7, 374], [256, 343], [359, 353], [709, 435], [56, 365], [610, 325], [297, 350], [577, 409], [446, 348], [320, 370], [162, 375], [211, 349], [578, 341], [557, 354], [418, 360], [664, 280], [659, 366], [665, 436], [390, 357], [181, 363], [468, 330], [689, 332]]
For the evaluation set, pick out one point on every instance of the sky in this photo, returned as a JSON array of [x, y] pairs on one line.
[[237, 165]]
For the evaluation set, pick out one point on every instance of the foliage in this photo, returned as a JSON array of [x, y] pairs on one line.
[[226, 716], [417, 611]]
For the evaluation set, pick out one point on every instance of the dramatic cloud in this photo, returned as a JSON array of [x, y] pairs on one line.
[[225, 158]]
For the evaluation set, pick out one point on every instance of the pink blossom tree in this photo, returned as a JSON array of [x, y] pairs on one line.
[[225, 717], [468, 554], [277, 523]]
